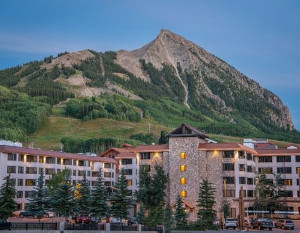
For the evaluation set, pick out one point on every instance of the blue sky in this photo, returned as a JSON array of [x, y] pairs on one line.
[[259, 38]]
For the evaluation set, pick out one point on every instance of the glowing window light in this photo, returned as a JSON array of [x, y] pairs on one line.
[[183, 168], [183, 193], [183, 180], [183, 155]]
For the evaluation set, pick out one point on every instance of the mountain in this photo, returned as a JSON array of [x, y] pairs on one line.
[[170, 80]]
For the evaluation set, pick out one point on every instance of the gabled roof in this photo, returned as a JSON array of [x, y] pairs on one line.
[[225, 146], [186, 130], [119, 150], [48, 153], [151, 148], [271, 152], [126, 155]]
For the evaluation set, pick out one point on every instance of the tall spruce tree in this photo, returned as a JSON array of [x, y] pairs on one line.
[[120, 200], [99, 207], [40, 203], [7, 202], [83, 196], [180, 215], [169, 219], [141, 218], [63, 198], [206, 202]]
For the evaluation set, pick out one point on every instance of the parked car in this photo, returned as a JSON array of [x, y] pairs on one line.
[[83, 219], [285, 224], [4, 225], [262, 223], [50, 214], [230, 223]]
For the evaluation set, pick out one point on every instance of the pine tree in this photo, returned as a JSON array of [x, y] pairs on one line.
[[120, 201], [206, 202], [7, 202], [141, 218], [83, 196], [40, 203], [163, 137], [63, 199], [99, 207], [168, 221], [180, 215]]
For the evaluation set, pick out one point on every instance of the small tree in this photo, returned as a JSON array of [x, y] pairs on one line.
[[180, 215], [225, 208], [63, 198], [120, 201], [40, 203], [163, 137], [141, 218], [169, 219], [83, 196], [99, 207], [7, 202], [206, 202]]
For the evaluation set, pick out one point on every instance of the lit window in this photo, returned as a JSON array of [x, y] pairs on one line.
[[129, 182], [183, 168], [183, 193], [183, 155], [183, 180]]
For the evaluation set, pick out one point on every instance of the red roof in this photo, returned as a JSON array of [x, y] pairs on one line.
[[151, 148], [119, 150], [225, 146], [125, 155], [36, 152], [271, 152]]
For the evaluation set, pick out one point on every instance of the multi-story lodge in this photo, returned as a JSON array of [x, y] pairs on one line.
[[189, 157]]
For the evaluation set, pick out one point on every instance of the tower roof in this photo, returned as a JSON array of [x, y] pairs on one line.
[[186, 130]]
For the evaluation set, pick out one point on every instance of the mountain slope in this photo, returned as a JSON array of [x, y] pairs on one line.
[[213, 79]]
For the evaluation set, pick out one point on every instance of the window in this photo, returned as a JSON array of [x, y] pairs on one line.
[[21, 158], [250, 193], [287, 182], [81, 163], [50, 160], [74, 182], [250, 181], [183, 155], [50, 171], [67, 162], [242, 180], [31, 170], [297, 158], [249, 156], [11, 169], [94, 183], [21, 170], [80, 173], [58, 161], [31, 159], [126, 161], [241, 154], [183, 168], [145, 168], [108, 174], [107, 165], [74, 162], [19, 194], [269, 181], [127, 171], [129, 182], [107, 183], [297, 170], [265, 159], [41, 170], [283, 159], [183, 180], [284, 170], [229, 193], [183, 193], [286, 193], [41, 159], [30, 182], [74, 172], [58, 170], [228, 154], [12, 157], [228, 166], [129, 193], [20, 182], [29, 194], [95, 174], [250, 169], [145, 155], [228, 180], [88, 173], [265, 170], [242, 167]]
